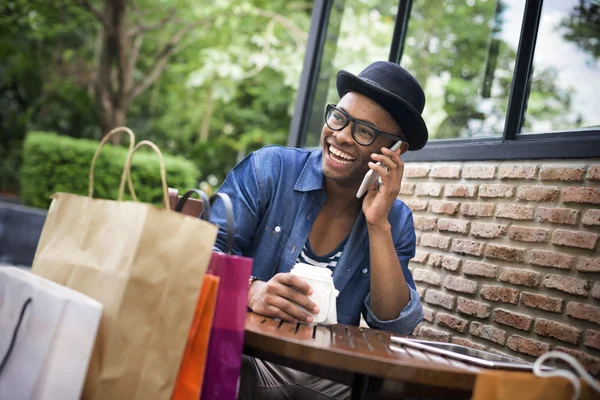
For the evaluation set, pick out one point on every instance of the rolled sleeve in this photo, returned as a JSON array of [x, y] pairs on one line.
[[406, 322]]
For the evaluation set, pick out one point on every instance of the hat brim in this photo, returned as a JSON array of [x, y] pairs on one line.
[[412, 124]]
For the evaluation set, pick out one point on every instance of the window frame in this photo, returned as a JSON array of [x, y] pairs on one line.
[[513, 145]]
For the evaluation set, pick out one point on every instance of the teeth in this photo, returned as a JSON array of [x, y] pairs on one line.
[[341, 154]]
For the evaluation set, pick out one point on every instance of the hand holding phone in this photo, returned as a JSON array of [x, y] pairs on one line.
[[372, 176]]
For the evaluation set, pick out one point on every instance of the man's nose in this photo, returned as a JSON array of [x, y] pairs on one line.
[[345, 135]]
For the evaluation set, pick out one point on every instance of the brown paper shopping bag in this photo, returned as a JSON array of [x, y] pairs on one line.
[[145, 265]]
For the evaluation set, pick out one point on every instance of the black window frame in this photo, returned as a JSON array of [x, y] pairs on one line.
[[513, 145]]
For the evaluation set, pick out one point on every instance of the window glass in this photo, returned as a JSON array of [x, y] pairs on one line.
[[359, 32], [566, 68], [463, 53]]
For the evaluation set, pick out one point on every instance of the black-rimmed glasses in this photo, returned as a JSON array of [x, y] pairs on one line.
[[363, 133]]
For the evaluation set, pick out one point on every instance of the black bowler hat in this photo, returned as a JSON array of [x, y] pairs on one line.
[[396, 90]]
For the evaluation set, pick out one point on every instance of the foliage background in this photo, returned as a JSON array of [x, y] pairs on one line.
[[228, 89]]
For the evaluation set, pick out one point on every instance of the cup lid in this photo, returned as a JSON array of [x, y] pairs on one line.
[[312, 271]]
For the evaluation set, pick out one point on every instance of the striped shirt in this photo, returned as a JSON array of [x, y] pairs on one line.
[[330, 260]]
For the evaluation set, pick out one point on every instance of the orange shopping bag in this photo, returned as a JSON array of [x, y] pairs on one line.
[[191, 372]]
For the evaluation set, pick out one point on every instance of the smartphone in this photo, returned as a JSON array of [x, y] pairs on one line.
[[372, 176]]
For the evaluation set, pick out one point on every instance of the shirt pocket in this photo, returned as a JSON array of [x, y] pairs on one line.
[[273, 241]]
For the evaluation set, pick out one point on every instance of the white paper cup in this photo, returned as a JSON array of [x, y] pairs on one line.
[[324, 293]]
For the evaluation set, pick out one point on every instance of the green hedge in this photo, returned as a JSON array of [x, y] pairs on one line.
[[53, 163]]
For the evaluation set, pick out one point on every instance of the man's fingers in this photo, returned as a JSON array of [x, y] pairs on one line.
[[290, 309], [293, 281]]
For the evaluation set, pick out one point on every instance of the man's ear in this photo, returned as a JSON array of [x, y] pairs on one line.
[[403, 148]]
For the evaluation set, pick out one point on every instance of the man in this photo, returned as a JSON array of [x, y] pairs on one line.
[[297, 204]]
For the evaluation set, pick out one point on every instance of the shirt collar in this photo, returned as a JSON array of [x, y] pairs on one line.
[[311, 177]]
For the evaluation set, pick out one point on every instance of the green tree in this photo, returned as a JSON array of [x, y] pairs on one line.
[[583, 26]]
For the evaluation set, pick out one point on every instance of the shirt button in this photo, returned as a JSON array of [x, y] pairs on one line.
[[277, 229], [365, 271]]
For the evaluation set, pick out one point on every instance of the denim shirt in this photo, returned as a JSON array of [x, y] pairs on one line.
[[277, 194]]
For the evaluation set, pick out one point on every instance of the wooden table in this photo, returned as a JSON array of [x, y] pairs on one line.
[[363, 358]]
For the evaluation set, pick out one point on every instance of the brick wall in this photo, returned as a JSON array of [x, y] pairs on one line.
[[507, 257]]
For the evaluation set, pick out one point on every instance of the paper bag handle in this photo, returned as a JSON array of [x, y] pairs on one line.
[[14, 335], [97, 153], [205, 214], [163, 173]]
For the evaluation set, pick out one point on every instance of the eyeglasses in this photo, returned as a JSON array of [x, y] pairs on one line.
[[363, 133]]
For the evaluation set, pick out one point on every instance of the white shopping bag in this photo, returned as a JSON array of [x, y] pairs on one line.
[[53, 341]]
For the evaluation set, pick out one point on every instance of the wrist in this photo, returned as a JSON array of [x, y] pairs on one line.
[[253, 284], [379, 226]]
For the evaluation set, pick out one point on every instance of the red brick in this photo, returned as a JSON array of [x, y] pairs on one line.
[[591, 364], [581, 195], [566, 333], [524, 345], [473, 308], [560, 172], [593, 173], [446, 262], [499, 293], [517, 321], [520, 277], [512, 211], [421, 291], [476, 268], [460, 285], [477, 209], [454, 225], [435, 241], [465, 246], [450, 263], [552, 259], [458, 190], [588, 264], [582, 240], [435, 260], [441, 299], [591, 218], [479, 171], [446, 172], [466, 342], [487, 231], [425, 276], [515, 171], [537, 193], [434, 334], [506, 253], [413, 171], [417, 205], [542, 302], [578, 287], [420, 257], [488, 332], [428, 314], [496, 191], [407, 188], [429, 189], [591, 338], [425, 223], [524, 234], [584, 312], [452, 322], [444, 207], [567, 216], [595, 293]]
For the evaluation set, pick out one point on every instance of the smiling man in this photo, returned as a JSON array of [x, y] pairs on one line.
[[298, 205]]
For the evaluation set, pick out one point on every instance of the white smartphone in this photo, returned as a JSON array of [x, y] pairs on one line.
[[372, 176]]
